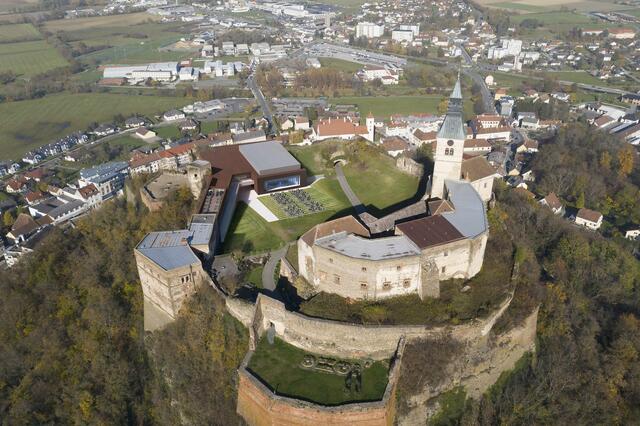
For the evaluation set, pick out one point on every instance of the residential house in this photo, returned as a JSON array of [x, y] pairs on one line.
[[553, 202], [302, 123], [108, 178], [133, 122], [105, 130], [395, 145], [173, 115], [250, 136], [589, 218], [342, 129], [632, 234], [144, 133], [418, 137], [145, 163], [477, 146]]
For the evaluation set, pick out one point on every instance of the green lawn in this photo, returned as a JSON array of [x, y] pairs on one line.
[[29, 58], [18, 32], [312, 159], [279, 365], [553, 18], [255, 276], [378, 183], [167, 132], [29, 124], [250, 233], [384, 106], [340, 64]]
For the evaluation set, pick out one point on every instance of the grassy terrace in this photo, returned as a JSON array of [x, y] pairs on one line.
[[18, 32], [250, 233], [340, 64], [29, 124], [377, 182], [279, 367]]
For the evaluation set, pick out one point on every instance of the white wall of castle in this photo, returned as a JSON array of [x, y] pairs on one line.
[[484, 187]]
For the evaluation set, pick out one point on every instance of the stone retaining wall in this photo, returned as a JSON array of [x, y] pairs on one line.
[[259, 406], [348, 340]]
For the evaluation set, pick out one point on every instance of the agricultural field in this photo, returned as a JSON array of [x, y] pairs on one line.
[[30, 58], [29, 124], [576, 77], [384, 106], [280, 365], [526, 6], [134, 38], [18, 32], [11, 5]]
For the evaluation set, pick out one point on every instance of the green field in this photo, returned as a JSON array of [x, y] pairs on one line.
[[378, 183], [340, 64], [255, 276], [250, 233], [279, 365], [312, 159], [18, 32], [518, 6], [29, 58], [384, 106], [29, 124], [576, 77]]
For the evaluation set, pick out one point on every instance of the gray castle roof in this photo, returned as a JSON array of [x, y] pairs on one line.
[[370, 249], [469, 216], [453, 125]]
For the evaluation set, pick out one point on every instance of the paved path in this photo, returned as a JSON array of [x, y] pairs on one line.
[[353, 198], [270, 268], [253, 201]]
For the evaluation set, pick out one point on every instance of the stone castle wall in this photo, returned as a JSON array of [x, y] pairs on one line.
[[347, 340], [259, 406], [410, 166]]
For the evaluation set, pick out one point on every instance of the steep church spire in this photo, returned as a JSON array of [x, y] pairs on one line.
[[453, 125]]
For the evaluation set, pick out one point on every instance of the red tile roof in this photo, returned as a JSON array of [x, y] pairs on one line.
[[430, 231]]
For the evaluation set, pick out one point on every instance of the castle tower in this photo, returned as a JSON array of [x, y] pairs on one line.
[[449, 144], [371, 121]]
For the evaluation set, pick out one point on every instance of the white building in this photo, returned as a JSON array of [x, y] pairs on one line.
[[402, 35], [589, 218], [369, 30]]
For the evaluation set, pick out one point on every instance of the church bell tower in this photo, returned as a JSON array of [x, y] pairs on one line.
[[449, 144]]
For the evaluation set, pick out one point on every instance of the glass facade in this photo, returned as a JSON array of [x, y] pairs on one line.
[[281, 183]]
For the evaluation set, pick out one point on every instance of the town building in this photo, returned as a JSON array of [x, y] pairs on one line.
[[108, 178], [343, 129], [589, 218], [369, 30]]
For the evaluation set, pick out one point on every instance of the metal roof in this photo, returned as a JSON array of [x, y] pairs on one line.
[[202, 233], [370, 249], [104, 172], [469, 216], [453, 124], [169, 249], [268, 158]]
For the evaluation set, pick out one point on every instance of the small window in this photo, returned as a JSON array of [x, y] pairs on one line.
[[364, 269], [398, 268], [485, 184], [336, 279], [446, 253], [444, 269], [363, 286], [330, 260], [406, 283], [386, 285]]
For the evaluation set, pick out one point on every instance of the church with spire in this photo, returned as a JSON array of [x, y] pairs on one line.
[[450, 162]]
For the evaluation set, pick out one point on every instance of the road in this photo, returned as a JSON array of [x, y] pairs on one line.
[[269, 270], [257, 93], [353, 198], [472, 71]]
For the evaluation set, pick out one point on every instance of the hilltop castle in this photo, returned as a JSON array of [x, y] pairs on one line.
[[414, 249]]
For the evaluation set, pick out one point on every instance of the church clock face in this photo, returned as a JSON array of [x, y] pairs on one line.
[[450, 142]]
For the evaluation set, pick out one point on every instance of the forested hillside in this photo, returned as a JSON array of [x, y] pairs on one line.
[[587, 366], [72, 346]]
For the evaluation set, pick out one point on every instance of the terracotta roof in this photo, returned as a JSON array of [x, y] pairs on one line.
[[88, 191], [347, 224], [33, 196], [430, 231], [602, 120], [394, 144], [23, 225], [141, 160], [476, 168], [476, 143], [590, 215], [425, 136], [531, 144], [38, 173], [14, 184], [488, 117], [439, 206], [337, 127], [553, 201]]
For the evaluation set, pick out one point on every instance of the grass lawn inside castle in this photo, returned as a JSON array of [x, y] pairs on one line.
[[280, 367]]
